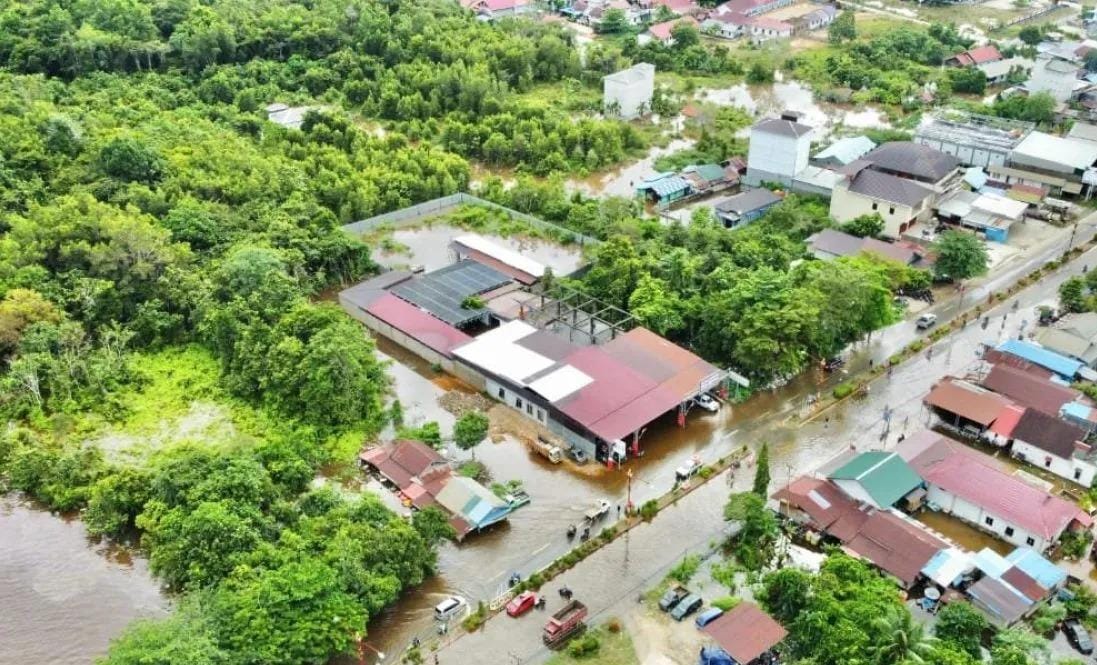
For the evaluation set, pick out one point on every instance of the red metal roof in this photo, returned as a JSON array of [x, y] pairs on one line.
[[979, 480], [1019, 580], [894, 545], [417, 324], [745, 632], [1029, 389], [979, 56], [967, 400], [820, 499], [661, 31], [1007, 421]]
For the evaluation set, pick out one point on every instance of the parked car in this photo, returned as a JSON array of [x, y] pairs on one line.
[[1078, 636], [707, 402], [672, 597], [832, 364], [686, 607], [926, 321], [708, 616], [579, 456], [522, 603], [449, 608], [687, 470]]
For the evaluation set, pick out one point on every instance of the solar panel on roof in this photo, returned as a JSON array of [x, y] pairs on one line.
[[441, 292]]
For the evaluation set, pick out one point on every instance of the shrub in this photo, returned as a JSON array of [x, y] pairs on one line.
[[843, 390], [586, 645], [726, 602], [916, 346], [706, 472], [649, 510], [686, 568], [613, 626], [477, 618], [608, 533]]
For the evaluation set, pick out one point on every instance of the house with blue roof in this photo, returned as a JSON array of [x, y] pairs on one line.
[[473, 502], [1068, 368], [664, 188]]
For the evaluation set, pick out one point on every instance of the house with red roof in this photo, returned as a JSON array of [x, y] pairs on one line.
[[661, 32], [965, 406], [495, 9], [978, 489], [976, 56]]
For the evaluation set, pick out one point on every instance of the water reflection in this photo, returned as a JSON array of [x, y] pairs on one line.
[[63, 597]]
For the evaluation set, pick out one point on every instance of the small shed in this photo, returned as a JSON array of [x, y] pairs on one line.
[[746, 207], [665, 188]]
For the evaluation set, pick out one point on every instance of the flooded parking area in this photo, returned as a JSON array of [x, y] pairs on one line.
[[64, 596], [427, 245]]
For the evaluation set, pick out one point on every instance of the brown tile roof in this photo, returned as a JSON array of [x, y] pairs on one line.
[[745, 632], [402, 460], [1048, 433], [1029, 389], [967, 400]]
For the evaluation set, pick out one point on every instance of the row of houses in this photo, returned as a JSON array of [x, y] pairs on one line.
[[739, 18], [1021, 400], [856, 503]]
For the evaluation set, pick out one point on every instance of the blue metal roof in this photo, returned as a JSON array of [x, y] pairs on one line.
[[1038, 355], [1031, 563], [990, 562], [1076, 410], [668, 185]]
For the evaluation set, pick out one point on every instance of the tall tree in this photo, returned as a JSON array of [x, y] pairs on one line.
[[904, 640], [469, 430], [843, 28], [962, 626], [761, 473], [960, 256]]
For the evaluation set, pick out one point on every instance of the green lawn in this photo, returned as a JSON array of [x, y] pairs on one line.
[[614, 649]]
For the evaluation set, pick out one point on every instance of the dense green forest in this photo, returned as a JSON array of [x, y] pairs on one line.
[[146, 205]]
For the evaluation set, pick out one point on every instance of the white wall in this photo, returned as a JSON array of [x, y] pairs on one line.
[[784, 156], [976, 516], [538, 414], [632, 97], [846, 205], [725, 30], [1064, 468], [857, 491]]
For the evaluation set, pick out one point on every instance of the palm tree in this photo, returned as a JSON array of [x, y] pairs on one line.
[[905, 641]]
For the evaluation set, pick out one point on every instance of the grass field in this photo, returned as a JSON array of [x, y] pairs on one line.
[[614, 649]]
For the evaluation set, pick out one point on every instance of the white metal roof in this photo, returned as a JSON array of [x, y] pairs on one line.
[[1075, 153], [502, 254], [560, 383], [496, 353], [997, 205]]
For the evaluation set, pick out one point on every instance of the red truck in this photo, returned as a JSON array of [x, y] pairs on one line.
[[564, 624]]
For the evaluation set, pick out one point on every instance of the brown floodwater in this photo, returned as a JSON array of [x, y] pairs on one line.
[[64, 596], [428, 246], [962, 533]]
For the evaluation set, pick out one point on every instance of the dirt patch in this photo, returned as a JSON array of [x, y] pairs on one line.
[[659, 640], [459, 402], [791, 12]]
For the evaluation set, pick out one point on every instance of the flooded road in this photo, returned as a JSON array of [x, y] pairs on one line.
[[62, 596], [428, 245]]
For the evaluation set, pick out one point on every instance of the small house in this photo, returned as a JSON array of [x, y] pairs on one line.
[[879, 479], [1050, 443], [843, 152], [744, 208], [974, 57], [664, 188]]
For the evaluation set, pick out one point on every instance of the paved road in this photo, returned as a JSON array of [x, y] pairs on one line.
[[610, 581]]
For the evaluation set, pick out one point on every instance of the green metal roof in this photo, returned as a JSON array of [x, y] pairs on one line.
[[885, 476], [707, 172]]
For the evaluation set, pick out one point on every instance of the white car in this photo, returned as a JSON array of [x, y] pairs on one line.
[[706, 402], [688, 470]]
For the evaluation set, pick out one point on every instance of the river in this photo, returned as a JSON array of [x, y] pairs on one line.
[[63, 595]]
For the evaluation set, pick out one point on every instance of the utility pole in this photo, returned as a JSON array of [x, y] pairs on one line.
[[628, 502]]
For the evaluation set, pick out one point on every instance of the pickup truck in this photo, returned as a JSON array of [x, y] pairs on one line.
[[672, 597]]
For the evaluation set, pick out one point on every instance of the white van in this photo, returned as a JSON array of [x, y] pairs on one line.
[[449, 608]]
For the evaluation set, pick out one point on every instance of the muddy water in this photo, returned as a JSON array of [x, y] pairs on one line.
[[961, 533], [793, 95], [621, 182], [428, 246], [62, 596]]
